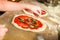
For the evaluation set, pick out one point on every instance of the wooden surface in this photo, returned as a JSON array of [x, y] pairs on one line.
[[17, 34]]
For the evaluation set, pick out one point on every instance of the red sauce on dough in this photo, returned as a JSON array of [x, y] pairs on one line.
[[27, 22], [43, 12]]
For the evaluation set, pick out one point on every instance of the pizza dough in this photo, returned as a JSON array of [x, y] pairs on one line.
[[42, 12], [35, 30]]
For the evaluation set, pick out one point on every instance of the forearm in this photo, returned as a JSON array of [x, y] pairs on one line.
[[10, 6]]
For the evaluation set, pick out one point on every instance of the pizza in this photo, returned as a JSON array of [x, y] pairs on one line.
[[42, 12], [28, 23]]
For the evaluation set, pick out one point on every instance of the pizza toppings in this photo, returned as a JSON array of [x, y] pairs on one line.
[[21, 19], [27, 22], [40, 13], [43, 12]]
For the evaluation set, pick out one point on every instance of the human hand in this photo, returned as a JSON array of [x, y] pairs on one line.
[[3, 31], [13, 6], [34, 10]]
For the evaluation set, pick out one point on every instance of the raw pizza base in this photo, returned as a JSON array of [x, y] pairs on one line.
[[36, 30], [34, 15]]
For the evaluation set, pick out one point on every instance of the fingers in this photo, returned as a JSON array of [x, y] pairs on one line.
[[3, 31], [30, 12], [36, 10], [37, 13], [2, 26]]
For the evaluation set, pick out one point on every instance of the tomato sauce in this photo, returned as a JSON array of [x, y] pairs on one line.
[[27, 22], [43, 12]]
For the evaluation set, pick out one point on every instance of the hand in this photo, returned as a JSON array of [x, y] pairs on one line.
[[3, 31], [13, 6], [36, 10]]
